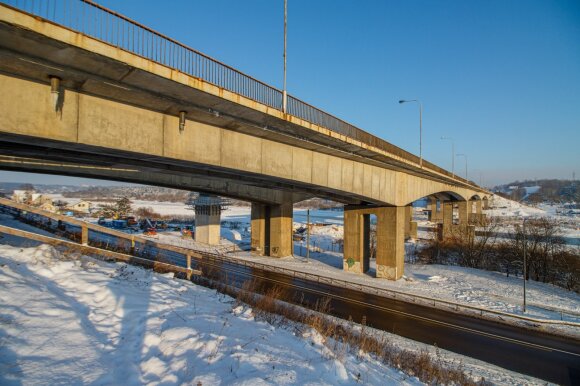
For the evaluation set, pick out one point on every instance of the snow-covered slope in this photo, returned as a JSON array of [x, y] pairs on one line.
[[81, 321], [502, 207]]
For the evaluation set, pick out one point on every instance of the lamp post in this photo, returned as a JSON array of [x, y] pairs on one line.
[[464, 156], [452, 153], [284, 94], [420, 128], [525, 259], [480, 176]]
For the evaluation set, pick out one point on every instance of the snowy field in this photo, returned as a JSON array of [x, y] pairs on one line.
[[72, 320]]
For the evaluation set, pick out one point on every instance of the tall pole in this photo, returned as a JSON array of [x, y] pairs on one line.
[[525, 261], [420, 128], [464, 156], [284, 94], [452, 154], [307, 234], [420, 135]]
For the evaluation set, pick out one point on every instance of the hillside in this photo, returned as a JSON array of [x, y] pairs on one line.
[[535, 191]]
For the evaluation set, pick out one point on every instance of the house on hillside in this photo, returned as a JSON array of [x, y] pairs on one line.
[[49, 207], [30, 197], [79, 206], [22, 196]]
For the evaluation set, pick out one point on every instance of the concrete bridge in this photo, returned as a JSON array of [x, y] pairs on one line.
[[88, 92]]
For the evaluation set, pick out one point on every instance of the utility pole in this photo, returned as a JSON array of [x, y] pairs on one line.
[[284, 94]]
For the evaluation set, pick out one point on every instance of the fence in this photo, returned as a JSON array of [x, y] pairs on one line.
[[98, 22], [184, 258]]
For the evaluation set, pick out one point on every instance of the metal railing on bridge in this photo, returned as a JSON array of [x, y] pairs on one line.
[[96, 21]]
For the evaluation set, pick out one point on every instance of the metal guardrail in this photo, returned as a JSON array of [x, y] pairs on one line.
[[217, 259], [96, 21]]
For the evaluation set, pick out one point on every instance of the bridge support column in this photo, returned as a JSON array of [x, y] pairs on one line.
[[477, 217], [410, 225], [463, 208], [408, 219], [390, 238], [447, 217], [414, 228], [485, 203], [436, 215], [391, 242], [272, 229], [208, 209], [356, 255], [207, 225]]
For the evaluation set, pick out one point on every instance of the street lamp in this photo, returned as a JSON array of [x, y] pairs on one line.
[[480, 176], [464, 156], [420, 128], [525, 259], [452, 153], [284, 93]]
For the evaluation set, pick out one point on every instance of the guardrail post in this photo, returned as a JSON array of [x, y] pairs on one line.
[[84, 235], [188, 266]]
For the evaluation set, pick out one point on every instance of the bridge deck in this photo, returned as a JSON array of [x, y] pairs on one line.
[[219, 91]]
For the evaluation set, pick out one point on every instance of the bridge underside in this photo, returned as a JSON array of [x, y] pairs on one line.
[[73, 105]]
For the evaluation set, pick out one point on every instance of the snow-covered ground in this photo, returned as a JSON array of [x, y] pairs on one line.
[[515, 212], [67, 321], [501, 207], [463, 285], [71, 320]]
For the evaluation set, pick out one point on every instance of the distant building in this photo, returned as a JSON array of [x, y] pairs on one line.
[[79, 206], [49, 207], [22, 196]]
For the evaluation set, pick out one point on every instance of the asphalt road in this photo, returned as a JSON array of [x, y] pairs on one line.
[[551, 358], [548, 357]]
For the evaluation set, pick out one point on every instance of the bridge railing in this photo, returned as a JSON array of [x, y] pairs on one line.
[[98, 22]]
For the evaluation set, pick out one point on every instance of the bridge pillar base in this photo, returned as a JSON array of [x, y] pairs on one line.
[[435, 214], [447, 218], [207, 228], [272, 230], [408, 219], [463, 209], [413, 231], [390, 240]]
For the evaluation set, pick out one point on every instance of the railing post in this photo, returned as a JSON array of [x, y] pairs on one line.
[[188, 266], [84, 235]]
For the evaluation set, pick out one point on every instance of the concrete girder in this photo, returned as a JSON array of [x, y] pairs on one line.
[[159, 178]]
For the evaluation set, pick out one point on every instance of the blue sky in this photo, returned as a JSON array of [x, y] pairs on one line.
[[501, 77]]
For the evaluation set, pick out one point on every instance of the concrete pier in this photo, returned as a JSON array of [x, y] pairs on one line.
[[208, 209], [390, 248], [272, 229]]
